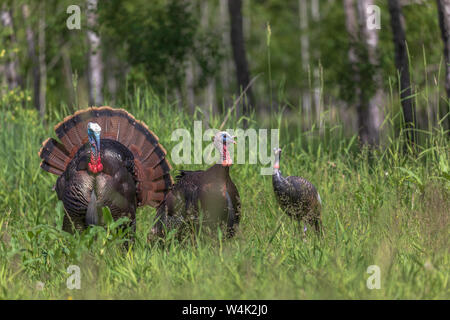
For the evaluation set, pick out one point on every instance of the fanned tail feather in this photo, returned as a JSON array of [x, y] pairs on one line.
[[54, 156], [151, 167]]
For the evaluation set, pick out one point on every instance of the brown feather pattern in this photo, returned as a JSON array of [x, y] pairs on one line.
[[150, 168]]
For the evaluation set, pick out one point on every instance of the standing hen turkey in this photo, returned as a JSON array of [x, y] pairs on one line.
[[297, 196], [211, 192], [105, 158]]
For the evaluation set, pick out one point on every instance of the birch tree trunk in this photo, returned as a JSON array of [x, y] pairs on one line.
[[317, 95], [210, 91], [239, 53], [112, 74], [367, 107], [68, 74], [11, 66], [95, 65], [190, 78], [32, 55], [370, 113], [444, 23], [402, 65], [42, 63], [226, 66], [351, 25], [304, 42]]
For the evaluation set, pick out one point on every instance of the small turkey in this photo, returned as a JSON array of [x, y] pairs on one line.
[[297, 197], [211, 192], [106, 158]]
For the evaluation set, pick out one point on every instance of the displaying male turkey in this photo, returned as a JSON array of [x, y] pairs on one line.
[[211, 192], [106, 158], [297, 196]]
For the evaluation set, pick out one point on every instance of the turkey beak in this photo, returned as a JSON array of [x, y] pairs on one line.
[[232, 140]]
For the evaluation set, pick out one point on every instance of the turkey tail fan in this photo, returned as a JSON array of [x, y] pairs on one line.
[[151, 166], [54, 156]]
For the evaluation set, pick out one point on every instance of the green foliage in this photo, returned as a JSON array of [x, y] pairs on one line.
[[381, 207], [329, 45], [157, 38], [150, 42]]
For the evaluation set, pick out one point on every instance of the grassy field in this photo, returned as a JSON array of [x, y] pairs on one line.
[[384, 208]]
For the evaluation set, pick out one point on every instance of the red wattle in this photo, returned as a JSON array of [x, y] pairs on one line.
[[99, 164], [92, 167], [95, 166], [226, 161]]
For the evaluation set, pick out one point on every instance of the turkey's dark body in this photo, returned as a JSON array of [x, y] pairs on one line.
[[114, 187], [211, 192], [104, 157], [298, 198]]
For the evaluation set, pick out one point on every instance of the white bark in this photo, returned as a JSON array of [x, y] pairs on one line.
[[42, 63], [351, 24], [304, 42], [210, 91], [227, 65], [12, 65], [32, 55], [317, 94], [95, 55], [444, 22], [190, 95], [68, 76], [374, 112]]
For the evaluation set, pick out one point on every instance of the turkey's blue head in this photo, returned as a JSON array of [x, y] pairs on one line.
[[277, 152], [94, 131], [222, 140]]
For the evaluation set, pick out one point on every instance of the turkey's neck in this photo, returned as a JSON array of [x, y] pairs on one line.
[[277, 178], [226, 159], [221, 171], [279, 182], [276, 165]]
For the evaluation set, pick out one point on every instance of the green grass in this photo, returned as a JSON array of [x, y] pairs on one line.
[[382, 208]]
